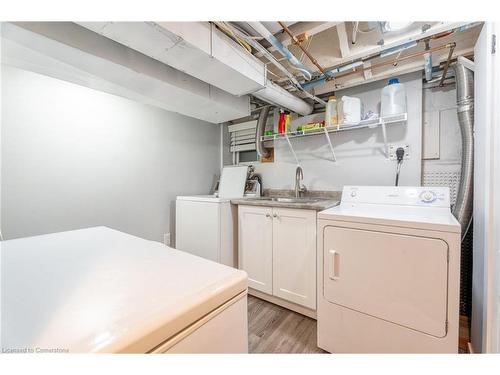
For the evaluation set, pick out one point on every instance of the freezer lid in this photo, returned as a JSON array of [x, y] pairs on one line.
[[101, 290]]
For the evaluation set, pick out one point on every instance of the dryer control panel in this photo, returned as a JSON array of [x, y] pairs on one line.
[[398, 195]]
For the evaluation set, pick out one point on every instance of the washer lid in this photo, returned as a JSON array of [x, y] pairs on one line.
[[100, 290], [203, 198]]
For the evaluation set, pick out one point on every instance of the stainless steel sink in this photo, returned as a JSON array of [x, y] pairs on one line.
[[292, 200], [308, 203]]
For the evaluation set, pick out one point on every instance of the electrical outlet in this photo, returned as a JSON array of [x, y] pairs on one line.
[[394, 147], [166, 239]]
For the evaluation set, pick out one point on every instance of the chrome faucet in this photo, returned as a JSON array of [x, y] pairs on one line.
[[299, 188]]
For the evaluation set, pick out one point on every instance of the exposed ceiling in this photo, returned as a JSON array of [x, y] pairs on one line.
[[223, 66], [331, 44]]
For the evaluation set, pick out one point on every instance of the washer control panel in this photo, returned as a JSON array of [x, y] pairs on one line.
[[398, 195]]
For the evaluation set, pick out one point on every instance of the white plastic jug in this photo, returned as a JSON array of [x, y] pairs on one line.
[[393, 100], [349, 109]]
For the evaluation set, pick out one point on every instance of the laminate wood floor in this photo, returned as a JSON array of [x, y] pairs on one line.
[[274, 329]]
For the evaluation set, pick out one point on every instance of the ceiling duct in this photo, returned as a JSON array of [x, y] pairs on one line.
[[67, 51], [202, 51], [274, 94], [196, 48]]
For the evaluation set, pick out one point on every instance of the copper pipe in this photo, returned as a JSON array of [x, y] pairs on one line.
[[447, 65], [407, 57], [296, 41], [442, 35]]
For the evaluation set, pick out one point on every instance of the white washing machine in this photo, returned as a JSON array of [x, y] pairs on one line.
[[388, 272], [206, 226]]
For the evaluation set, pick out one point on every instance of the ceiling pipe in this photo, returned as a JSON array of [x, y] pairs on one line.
[[278, 96], [398, 49], [460, 28], [407, 57], [355, 27], [274, 61], [427, 61], [361, 69], [445, 70], [265, 33], [296, 41]]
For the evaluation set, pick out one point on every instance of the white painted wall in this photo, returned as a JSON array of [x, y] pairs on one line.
[[74, 157], [360, 153]]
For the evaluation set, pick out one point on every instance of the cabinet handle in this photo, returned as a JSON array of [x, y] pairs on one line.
[[268, 215], [333, 265], [276, 216]]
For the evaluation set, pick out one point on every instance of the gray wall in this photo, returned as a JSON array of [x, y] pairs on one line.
[[360, 153], [73, 157]]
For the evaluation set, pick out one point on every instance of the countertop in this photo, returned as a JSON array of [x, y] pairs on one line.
[[313, 200]]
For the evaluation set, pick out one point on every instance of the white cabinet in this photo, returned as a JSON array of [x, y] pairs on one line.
[[294, 256], [277, 248], [255, 244]]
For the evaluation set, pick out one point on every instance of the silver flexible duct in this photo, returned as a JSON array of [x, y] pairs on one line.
[[465, 102], [259, 132]]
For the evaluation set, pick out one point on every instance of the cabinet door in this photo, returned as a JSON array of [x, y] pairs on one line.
[[255, 239], [294, 256]]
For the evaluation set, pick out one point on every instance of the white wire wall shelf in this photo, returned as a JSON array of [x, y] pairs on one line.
[[327, 130]]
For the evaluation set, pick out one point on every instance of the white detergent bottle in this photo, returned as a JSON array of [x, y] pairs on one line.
[[331, 118], [393, 100]]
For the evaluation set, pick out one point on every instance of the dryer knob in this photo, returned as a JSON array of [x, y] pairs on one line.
[[428, 196]]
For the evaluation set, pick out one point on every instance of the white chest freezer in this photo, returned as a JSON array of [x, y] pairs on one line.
[[100, 290]]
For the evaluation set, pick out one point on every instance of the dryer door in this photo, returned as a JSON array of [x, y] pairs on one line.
[[399, 278]]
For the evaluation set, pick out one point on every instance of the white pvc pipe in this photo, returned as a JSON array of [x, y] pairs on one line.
[[276, 63], [276, 95], [354, 32], [265, 33]]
